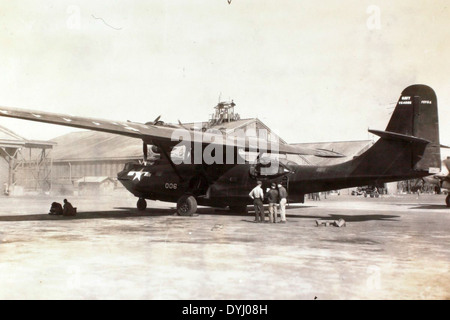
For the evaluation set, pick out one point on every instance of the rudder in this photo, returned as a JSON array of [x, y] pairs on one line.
[[416, 115]]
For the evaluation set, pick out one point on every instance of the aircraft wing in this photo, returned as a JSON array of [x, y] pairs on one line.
[[149, 133]]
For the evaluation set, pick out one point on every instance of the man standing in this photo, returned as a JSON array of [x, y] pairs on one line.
[[257, 194], [283, 199], [272, 197]]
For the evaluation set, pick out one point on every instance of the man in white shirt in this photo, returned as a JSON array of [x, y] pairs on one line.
[[257, 194], [283, 199]]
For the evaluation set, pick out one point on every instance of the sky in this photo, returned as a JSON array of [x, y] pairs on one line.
[[312, 71]]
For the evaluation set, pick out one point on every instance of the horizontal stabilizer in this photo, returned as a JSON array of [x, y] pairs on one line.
[[324, 153], [398, 136]]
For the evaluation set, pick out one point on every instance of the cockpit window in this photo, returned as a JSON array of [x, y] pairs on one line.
[[129, 166], [268, 167], [178, 152]]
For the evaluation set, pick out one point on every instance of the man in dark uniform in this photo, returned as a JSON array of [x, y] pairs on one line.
[[257, 194], [272, 198]]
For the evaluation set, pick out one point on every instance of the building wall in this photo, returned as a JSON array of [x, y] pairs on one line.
[[103, 188], [71, 171], [4, 173]]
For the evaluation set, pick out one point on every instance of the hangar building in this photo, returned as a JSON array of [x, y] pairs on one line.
[[25, 165]]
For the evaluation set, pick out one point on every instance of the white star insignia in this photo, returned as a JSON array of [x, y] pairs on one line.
[[139, 174]]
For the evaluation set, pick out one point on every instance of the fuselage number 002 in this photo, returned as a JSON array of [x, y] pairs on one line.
[[170, 185]]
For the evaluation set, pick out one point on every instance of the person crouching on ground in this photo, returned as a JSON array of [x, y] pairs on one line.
[[56, 209], [68, 209]]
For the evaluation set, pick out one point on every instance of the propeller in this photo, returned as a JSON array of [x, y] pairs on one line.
[[179, 122], [155, 122]]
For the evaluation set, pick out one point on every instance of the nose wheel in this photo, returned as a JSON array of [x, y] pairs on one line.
[[141, 204]]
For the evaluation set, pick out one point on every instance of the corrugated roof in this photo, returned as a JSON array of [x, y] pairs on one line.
[[5, 133], [93, 179], [92, 145], [226, 125], [12, 139], [230, 126]]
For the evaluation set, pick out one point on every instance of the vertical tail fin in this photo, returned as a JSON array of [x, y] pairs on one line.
[[415, 120], [416, 115]]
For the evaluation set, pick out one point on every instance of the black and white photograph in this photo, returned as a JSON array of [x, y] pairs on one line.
[[224, 150]]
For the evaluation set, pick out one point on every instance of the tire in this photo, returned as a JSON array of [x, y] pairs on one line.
[[186, 205], [141, 204], [447, 200]]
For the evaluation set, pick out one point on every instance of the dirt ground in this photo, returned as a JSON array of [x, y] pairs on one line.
[[391, 248]]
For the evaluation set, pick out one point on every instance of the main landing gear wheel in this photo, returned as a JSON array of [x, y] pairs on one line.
[[447, 200], [141, 204], [186, 205]]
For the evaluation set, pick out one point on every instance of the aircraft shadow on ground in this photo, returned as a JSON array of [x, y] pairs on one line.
[[116, 214], [432, 207], [349, 218], [122, 213]]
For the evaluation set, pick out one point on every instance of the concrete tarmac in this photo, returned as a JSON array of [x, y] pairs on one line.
[[391, 248]]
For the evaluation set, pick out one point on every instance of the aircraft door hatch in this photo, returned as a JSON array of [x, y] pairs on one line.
[[285, 182]]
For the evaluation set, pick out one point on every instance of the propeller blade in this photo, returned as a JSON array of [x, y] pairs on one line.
[[179, 122], [145, 150], [447, 164]]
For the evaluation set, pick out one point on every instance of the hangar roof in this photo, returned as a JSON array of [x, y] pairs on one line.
[[94, 180], [231, 126], [10, 139], [94, 145]]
